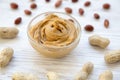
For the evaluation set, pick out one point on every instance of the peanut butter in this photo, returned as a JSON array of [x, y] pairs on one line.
[[54, 31]]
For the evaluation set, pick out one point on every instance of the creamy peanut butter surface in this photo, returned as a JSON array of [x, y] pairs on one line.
[[53, 31]]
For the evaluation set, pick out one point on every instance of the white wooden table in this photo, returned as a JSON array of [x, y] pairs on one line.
[[26, 59]]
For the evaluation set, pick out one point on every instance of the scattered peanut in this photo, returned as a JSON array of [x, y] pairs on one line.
[[96, 16], [106, 6], [8, 32], [18, 20], [106, 75], [5, 56], [86, 70], [89, 28], [106, 23], [74, 1], [81, 11], [47, 0], [68, 10], [52, 76], [87, 3], [14, 5], [58, 3], [24, 76], [97, 40], [112, 56], [27, 12], [33, 6]]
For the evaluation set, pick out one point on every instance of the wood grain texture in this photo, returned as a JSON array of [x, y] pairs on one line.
[[28, 60]]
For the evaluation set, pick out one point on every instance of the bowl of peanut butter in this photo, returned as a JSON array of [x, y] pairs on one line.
[[54, 34]]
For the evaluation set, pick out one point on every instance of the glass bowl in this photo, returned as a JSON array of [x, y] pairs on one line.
[[54, 51]]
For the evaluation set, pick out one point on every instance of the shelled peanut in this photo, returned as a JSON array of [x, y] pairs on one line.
[[52, 76], [112, 56], [5, 56], [14, 5], [97, 40], [8, 32], [24, 76], [106, 75], [58, 3], [84, 73]]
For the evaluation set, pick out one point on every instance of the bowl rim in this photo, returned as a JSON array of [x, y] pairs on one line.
[[53, 12]]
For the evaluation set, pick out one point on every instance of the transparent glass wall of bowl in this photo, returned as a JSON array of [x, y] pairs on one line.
[[54, 52]]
